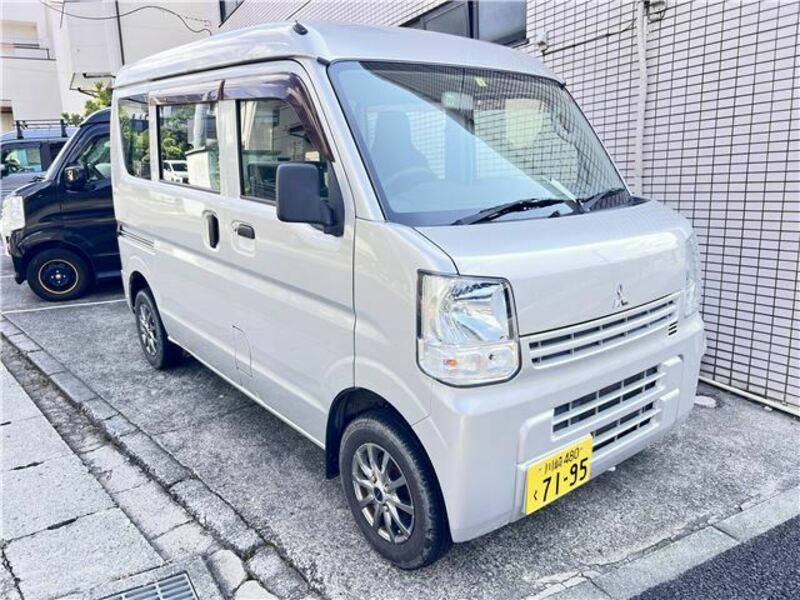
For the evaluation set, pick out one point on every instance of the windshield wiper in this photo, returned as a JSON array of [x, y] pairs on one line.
[[495, 212], [588, 203]]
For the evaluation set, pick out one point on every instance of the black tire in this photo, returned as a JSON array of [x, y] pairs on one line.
[[58, 274], [428, 537], [157, 349]]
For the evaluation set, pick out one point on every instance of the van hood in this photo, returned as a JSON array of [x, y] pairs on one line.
[[568, 270]]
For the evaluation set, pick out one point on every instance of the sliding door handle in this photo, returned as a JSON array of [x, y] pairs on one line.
[[212, 229], [245, 231]]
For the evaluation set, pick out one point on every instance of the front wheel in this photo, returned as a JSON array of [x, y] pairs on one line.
[[158, 350], [393, 492], [58, 274]]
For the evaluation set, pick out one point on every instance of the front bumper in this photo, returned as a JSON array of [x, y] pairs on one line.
[[13, 251], [482, 440]]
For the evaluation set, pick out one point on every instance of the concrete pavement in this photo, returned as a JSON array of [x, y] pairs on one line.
[[61, 531], [270, 482], [79, 520]]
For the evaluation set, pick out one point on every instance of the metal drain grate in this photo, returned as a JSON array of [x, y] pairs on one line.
[[176, 587]]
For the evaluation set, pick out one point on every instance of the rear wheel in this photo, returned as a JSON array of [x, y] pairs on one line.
[[158, 350], [58, 274], [392, 491]]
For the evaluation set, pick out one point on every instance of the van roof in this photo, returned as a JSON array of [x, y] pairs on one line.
[[329, 42]]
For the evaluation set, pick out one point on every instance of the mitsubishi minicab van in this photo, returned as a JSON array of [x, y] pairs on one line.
[[413, 249]]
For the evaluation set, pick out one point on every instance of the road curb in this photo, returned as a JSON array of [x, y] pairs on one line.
[[664, 563], [207, 507]]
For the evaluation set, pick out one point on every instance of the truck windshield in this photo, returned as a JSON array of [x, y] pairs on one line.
[[444, 143]]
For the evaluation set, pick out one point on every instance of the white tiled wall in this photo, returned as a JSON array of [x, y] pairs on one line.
[[721, 145]]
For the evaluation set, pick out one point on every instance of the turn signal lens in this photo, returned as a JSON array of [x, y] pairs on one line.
[[692, 290]]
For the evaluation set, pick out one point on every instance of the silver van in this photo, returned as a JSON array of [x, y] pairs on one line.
[[413, 249]]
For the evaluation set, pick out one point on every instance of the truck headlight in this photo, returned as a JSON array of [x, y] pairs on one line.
[[692, 291], [13, 214], [466, 333]]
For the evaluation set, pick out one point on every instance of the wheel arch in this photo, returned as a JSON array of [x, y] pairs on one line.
[[136, 282], [348, 405]]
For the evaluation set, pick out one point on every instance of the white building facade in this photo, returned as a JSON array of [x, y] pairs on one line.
[[698, 104], [53, 52]]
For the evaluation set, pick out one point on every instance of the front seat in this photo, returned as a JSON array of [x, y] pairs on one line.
[[392, 149]]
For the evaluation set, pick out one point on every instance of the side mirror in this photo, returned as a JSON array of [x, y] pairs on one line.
[[75, 177], [298, 196], [2, 169]]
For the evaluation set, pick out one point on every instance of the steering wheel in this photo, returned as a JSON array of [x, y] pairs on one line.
[[92, 172], [409, 173], [13, 166]]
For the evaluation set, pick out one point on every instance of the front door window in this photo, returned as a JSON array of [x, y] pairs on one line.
[[95, 158]]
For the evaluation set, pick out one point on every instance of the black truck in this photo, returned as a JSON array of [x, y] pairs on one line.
[[60, 231]]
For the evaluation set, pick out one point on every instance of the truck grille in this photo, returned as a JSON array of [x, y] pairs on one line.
[[591, 407], [616, 430], [577, 341]]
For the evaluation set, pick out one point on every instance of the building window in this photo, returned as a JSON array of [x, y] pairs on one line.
[[134, 129], [270, 134], [491, 21], [226, 9], [187, 141]]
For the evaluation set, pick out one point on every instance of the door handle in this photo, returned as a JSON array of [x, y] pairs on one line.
[[212, 229], [245, 231]]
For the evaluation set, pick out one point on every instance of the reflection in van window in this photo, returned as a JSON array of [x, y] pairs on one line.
[[134, 127], [444, 142], [26, 159], [187, 138], [271, 133], [95, 158]]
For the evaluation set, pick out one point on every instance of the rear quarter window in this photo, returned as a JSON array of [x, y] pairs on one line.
[[187, 138], [134, 128]]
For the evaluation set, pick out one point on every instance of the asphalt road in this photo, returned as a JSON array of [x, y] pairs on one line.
[[720, 459], [765, 568]]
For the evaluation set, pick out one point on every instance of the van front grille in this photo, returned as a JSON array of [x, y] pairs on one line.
[[592, 408], [626, 425], [563, 345]]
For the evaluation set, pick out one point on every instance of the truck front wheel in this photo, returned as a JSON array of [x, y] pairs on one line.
[[392, 491], [57, 274]]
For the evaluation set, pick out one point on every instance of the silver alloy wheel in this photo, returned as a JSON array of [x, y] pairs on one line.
[[382, 493], [147, 330]]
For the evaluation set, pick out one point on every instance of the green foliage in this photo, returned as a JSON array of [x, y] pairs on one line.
[[135, 139], [72, 118], [174, 132], [101, 98]]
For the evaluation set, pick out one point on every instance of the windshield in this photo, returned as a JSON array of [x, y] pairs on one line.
[[442, 143]]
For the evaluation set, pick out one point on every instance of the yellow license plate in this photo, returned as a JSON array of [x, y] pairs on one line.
[[558, 474]]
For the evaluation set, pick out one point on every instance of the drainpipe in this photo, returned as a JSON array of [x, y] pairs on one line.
[[641, 108], [119, 32]]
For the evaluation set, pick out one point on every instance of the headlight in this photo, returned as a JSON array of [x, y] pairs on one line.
[[466, 330], [13, 214], [692, 291]]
